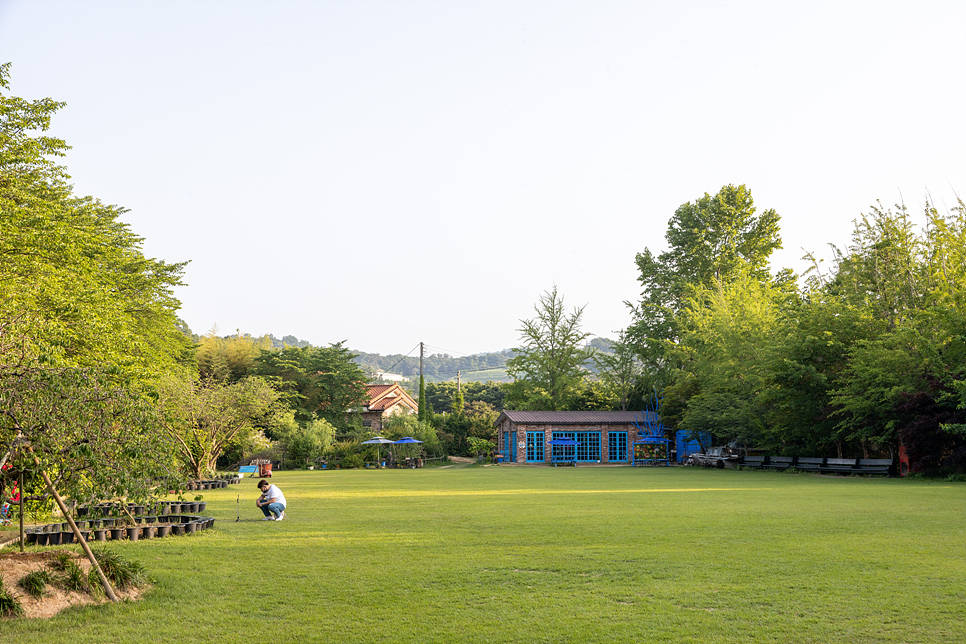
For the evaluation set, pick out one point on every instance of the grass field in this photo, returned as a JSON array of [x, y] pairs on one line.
[[514, 554]]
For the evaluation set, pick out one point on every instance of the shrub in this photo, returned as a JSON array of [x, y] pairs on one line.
[[35, 583], [119, 571], [74, 578], [9, 606]]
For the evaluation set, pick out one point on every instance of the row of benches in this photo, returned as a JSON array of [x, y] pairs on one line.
[[873, 466]]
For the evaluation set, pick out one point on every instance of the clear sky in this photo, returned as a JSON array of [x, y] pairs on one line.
[[393, 172]]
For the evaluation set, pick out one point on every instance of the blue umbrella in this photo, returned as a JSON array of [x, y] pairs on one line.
[[407, 440]]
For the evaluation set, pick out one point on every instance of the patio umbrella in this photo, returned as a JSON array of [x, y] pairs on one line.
[[377, 440], [408, 440]]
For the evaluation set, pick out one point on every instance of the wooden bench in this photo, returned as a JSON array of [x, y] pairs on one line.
[[808, 463], [837, 466], [779, 462], [874, 466], [754, 462]]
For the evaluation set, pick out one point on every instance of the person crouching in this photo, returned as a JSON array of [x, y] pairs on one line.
[[272, 501]]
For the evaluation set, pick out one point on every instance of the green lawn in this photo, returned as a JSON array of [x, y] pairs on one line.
[[593, 554]]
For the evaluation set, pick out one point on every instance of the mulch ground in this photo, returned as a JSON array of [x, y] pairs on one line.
[[14, 565]]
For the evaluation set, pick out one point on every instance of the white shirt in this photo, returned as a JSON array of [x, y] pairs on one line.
[[274, 493]]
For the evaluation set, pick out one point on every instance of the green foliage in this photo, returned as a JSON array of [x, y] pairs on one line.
[[595, 395], [459, 402], [480, 445], [9, 605], [709, 240], [550, 362], [230, 358], [94, 440], [74, 578], [35, 583], [316, 382], [618, 368], [304, 444], [75, 288], [399, 426], [121, 572], [423, 402], [441, 395], [202, 418]]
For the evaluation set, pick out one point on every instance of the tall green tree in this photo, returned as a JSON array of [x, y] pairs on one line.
[[726, 339], [709, 239], [423, 402], [73, 279], [316, 382], [203, 417], [549, 364], [620, 370]]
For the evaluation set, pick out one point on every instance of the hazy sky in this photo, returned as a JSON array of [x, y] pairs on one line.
[[393, 172]]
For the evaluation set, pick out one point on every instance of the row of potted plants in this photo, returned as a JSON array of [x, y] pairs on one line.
[[103, 510], [115, 529]]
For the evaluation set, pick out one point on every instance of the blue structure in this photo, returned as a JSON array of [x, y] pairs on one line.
[[564, 451], [651, 446], [687, 446]]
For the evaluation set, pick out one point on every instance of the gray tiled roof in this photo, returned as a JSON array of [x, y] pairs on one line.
[[574, 417]]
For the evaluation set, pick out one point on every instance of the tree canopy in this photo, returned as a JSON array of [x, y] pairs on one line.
[[549, 364]]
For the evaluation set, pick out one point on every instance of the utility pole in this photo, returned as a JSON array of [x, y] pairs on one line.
[[422, 387], [458, 380]]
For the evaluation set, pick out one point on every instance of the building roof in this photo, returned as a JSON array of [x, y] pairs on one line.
[[576, 417], [382, 397]]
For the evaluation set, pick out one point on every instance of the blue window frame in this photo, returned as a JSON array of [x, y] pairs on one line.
[[563, 452], [589, 448], [587, 451], [535, 447], [617, 446], [510, 446]]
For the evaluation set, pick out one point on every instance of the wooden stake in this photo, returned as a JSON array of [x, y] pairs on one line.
[[73, 526]]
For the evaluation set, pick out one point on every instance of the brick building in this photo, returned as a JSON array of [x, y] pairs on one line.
[[386, 400], [604, 436]]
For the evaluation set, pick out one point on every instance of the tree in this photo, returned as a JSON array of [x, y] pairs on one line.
[[726, 340], [95, 440], [203, 417], [424, 407], [620, 369], [305, 444], [316, 382], [229, 358], [710, 239], [550, 362], [459, 401], [73, 279]]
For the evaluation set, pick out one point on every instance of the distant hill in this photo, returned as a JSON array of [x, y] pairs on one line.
[[437, 367]]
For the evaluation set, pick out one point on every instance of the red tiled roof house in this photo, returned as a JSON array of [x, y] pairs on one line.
[[386, 400]]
